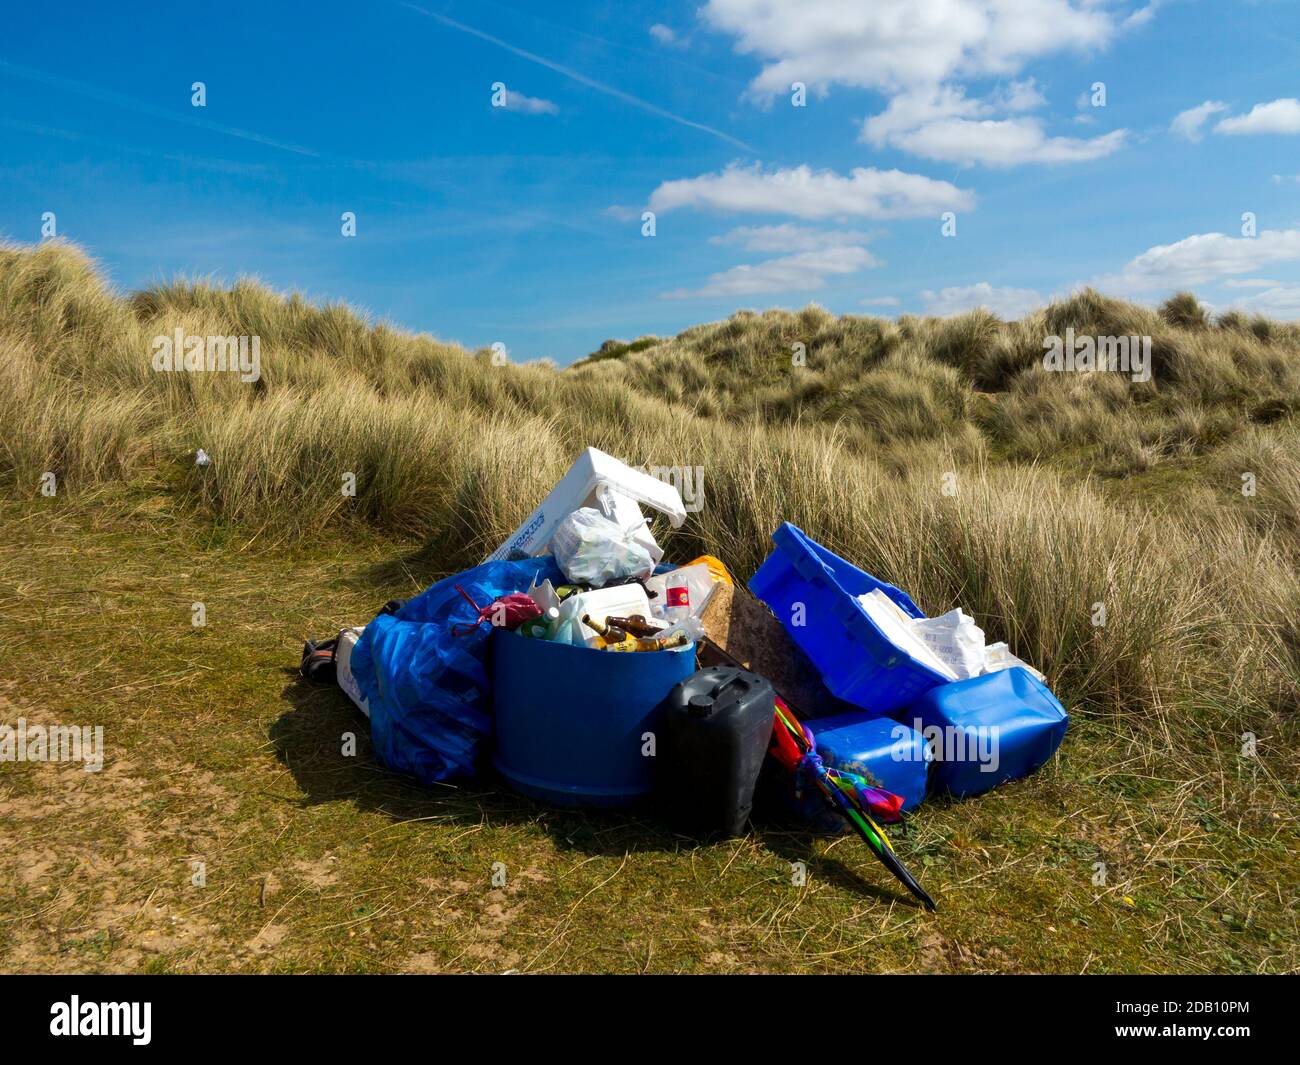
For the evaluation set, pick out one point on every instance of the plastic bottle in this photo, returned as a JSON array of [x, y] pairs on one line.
[[683, 592], [677, 602], [541, 628], [691, 629]]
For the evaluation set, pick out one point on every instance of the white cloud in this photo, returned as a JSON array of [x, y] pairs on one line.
[[944, 124], [529, 105], [1004, 302], [1280, 301], [1251, 282], [1281, 179], [1005, 142], [1279, 116], [1202, 258], [919, 107], [805, 271], [992, 142], [1188, 123], [1143, 15], [880, 301], [809, 257], [1020, 96], [801, 192], [891, 45], [666, 35], [916, 51], [787, 238]]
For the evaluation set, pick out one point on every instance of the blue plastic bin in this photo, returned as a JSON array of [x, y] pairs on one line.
[[857, 661], [570, 720], [990, 729]]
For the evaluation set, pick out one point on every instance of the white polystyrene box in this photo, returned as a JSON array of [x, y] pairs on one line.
[[581, 487]]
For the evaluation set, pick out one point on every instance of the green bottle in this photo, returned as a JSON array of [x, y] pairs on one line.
[[541, 627]]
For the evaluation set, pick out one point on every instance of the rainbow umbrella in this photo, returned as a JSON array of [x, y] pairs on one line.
[[794, 747]]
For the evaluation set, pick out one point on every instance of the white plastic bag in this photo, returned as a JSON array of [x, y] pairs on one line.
[[624, 512], [592, 549], [951, 644], [956, 640], [998, 656]]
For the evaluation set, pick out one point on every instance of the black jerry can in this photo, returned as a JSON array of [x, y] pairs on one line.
[[716, 728]]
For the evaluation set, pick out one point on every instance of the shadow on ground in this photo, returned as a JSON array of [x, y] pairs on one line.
[[308, 740]]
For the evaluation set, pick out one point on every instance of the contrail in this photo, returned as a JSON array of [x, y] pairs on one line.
[[581, 79], [130, 103]]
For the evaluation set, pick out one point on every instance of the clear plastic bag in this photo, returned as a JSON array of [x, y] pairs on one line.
[[592, 549]]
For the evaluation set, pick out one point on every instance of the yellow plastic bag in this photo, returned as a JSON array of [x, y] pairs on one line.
[[717, 570]]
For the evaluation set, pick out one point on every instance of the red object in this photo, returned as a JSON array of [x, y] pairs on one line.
[[506, 611], [882, 804], [784, 748], [679, 596]]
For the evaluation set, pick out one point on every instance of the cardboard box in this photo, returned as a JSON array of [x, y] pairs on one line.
[[740, 630]]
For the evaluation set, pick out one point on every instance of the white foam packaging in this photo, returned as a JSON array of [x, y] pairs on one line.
[[622, 600], [601, 481]]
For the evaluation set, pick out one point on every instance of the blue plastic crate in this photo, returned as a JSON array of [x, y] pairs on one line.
[[857, 661]]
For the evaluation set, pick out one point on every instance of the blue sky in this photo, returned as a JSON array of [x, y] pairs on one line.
[[523, 224]]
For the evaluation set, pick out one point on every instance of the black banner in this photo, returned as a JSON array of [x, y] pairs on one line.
[[338, 1013]]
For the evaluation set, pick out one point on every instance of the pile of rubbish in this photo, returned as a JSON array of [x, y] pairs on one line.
[[584, 670]]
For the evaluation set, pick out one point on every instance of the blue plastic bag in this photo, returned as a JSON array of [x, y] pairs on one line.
[[428, 689]]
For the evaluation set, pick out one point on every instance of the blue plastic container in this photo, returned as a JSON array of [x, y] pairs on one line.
[[857, 661], [886, 753], [570, 720], [990, 729]]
